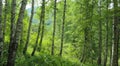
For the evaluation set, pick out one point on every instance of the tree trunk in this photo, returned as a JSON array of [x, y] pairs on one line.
[[12, 25], [29, 28], [12, 28], [54, 26], [14, 44], [83, 58], [114, 59], [63, 23], [111, 41], [41, 19], [1, 30], [107, 32], [91, 35], [21, 41], [100, 36], [5, 18]]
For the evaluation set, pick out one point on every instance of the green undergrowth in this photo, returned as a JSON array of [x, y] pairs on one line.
[[44, 60]]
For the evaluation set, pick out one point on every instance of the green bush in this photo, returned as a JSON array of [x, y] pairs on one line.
[[43, 60]]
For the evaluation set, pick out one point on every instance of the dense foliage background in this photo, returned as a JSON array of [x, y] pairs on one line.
[[59, 32]]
